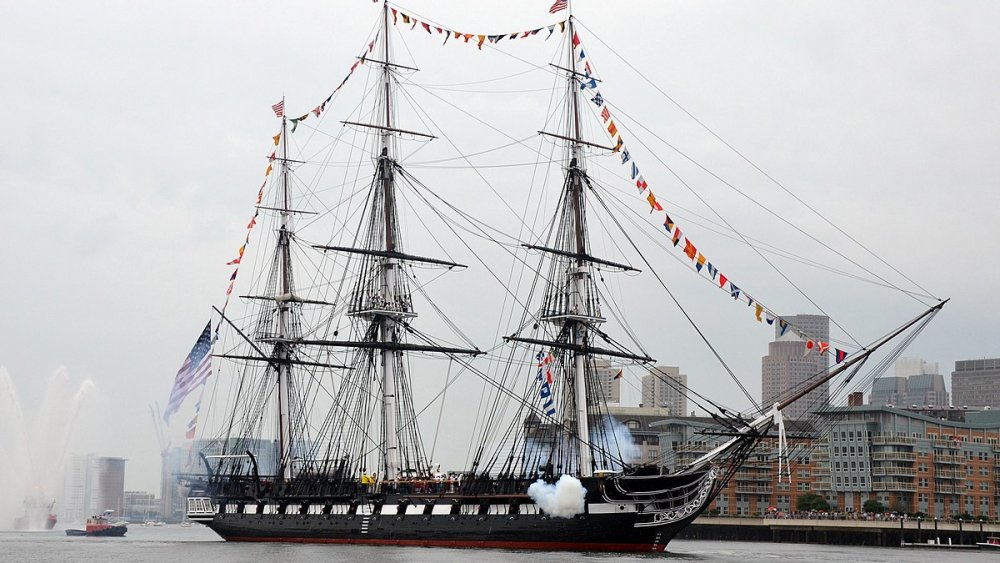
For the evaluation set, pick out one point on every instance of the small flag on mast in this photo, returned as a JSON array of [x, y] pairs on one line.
[[558, 6], [279, 108]]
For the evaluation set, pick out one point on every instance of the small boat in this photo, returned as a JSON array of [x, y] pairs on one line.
[[100, 526], [991, 543]]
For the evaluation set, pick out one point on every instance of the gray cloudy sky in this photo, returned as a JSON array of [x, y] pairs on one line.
[[134, 135]]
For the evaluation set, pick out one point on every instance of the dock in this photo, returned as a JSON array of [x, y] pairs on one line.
[[884, 533]]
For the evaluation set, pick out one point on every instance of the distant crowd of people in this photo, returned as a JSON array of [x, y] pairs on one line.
[[820, 515]]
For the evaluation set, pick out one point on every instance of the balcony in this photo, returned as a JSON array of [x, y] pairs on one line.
[[885, 440], [949, 489], [949, 474], [949, 459], [753, 476], [822, 486], [821, 472], [894, 486], [894, 456], [889, 470], [949, 444], [753, 490]]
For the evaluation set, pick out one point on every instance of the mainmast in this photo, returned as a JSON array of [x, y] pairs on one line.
[[386, 332], [281, 351], [578, 301], [381, 302]]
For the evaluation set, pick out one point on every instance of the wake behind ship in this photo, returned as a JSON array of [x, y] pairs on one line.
[[551, 468]]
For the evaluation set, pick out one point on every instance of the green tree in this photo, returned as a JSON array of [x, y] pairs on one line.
[[811, 501], [872, 505]]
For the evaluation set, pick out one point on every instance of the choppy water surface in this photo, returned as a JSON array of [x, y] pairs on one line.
[[193, 545]]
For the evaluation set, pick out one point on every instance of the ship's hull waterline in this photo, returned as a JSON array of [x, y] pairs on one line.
[[628, 514], [587, 532]]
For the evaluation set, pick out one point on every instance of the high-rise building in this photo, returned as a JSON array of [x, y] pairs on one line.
[[664, 387], [107, 485], [790, 366], [93, 484], [916, 382], [888, 391], [976, 383], [75, 503], [611, 385]]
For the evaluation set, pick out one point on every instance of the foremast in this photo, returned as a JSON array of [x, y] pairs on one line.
[[282, 347], [578, 301], [571, 303]]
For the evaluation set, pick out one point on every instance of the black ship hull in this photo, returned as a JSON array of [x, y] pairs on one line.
[[626, 514], [603, 532]]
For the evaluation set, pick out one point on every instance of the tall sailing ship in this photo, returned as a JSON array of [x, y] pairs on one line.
[[550, 467]]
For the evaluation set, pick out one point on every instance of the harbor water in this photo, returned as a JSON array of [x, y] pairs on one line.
[[173, 543]]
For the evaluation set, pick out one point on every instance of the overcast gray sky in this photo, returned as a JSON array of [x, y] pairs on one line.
[[134, 135]]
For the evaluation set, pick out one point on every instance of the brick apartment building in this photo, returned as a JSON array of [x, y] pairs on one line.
[[939, 465]]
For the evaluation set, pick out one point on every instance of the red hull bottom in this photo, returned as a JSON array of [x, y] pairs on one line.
[[528, 545]]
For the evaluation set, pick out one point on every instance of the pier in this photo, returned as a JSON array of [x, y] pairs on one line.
[[884, 533]]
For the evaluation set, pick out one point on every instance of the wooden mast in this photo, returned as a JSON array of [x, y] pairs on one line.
[[389, 264], [580, 272], [281, 348]]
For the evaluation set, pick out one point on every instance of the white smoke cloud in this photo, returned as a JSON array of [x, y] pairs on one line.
[[564, 499], [615, 438]]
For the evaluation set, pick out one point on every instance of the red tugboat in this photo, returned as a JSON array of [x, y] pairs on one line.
[[101, 526]]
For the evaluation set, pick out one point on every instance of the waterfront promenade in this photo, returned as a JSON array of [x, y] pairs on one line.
[[887, 533]]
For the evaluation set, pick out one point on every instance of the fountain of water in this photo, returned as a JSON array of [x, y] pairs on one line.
[[32, 456]]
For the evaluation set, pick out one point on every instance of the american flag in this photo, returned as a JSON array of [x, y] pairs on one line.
[[279, 108], [196, 369], [559, 6]]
